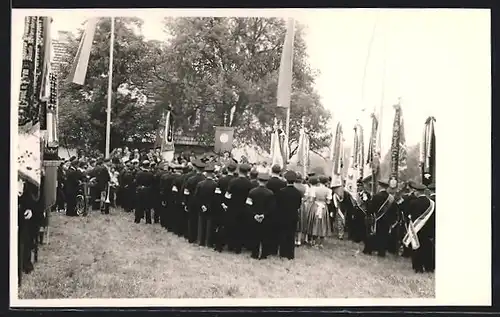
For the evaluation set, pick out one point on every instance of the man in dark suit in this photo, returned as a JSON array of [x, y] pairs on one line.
[[422, 212], [166, 181], [382, 211], [143, 181], [73, 180], [205, 200], [191, 203], [178, 215], [289, 200], [220, 217], [236, 196], [261, 203], [253, 177], [275, 184]]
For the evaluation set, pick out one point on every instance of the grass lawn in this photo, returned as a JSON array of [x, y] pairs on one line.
[[108, 256]]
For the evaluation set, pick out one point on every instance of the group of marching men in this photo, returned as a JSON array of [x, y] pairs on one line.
[[272, 213]]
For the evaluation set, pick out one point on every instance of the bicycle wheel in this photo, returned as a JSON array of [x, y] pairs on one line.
[[80, 205]]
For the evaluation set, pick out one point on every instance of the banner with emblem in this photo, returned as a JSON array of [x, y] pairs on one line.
[[428, 153], [338, 153], [356, 164], [223, 139], [165, 136], [276, 153], [373, 156], [398, 147], [29, 146]]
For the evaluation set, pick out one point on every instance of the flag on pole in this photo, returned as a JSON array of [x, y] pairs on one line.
[[47, 58], [338, 153], [223, 139], [81, 62], [276, 154], [398, 147], [167, 145], [428, 153], [303, 151], [286, 66]]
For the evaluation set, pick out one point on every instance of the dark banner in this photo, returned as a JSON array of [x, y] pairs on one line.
[[223, 139]]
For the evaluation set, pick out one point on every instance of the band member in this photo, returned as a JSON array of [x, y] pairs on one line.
[[275, 184], [143, 181], [408, 194], [205, 199], [155, 191], [382, 212], [261, 203], [220, 211], [236, 196], [73, 179], [253, 177], [421, 231], [179, 215], [289, 200], [166, 204], [103, 181], [191, 203]]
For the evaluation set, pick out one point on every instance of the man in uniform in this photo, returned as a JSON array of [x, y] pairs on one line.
[[275, 184], [205, 199], [191, 203], [382, 211], [177, 201], [253, 177], [289, 200], [128, 187], [166, 180], [236, 196], [261, 203], [155, 191], [143, 181], [73, 179], [422, 223], [220, 213]]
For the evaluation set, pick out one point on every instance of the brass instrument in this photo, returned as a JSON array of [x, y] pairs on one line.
[[107, 194]]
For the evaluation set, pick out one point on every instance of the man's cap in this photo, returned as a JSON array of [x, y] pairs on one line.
[[276, 169], [313, 180], [290, 176], [254, 173], [231, 167], [263, 177], [311, 174], [209, 168], [323, 179], [432, 187], [145, 163], [198, 163], [245, 168], [417, 186], [383, 182]]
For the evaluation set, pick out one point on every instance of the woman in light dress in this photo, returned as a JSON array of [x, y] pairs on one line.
[[319, 224]]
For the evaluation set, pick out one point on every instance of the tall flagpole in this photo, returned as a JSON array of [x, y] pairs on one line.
[[110, 87]]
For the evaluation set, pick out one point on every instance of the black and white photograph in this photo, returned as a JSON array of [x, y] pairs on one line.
[[250, 154]]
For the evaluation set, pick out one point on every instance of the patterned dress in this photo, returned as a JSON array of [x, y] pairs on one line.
[[319, 224]]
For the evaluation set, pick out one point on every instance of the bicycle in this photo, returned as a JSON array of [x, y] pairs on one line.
[[82, 199]]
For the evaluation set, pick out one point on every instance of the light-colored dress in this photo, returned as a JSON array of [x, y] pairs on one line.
[[303, 212], [319, 223]]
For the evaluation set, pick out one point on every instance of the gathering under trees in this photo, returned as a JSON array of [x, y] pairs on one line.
[[207, 65]]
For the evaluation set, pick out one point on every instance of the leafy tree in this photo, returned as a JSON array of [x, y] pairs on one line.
[[83, 108], [225, 62]]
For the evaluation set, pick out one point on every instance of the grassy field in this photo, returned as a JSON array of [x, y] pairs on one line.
[[108, 256]]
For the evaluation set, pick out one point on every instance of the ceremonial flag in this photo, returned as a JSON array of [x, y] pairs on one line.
[[231, 115], [373, 155], [81, 62], [398, 147], [223, 139], [167, 137], [47, 57], [276, 154], [303, 151], [428, 153], [286, 66], [338, 153]]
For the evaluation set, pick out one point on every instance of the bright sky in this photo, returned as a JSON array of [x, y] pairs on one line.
[[424, 52]]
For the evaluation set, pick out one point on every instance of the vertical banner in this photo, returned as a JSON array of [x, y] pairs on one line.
[[52, 140], [373, 159], [223, 139], [286, 67], [428, 153], [338, 154], [398, 147], [303, 151], [29, 142], [81, 62], [276, 154], [167, 145]]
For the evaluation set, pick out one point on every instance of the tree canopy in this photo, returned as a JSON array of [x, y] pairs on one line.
[[207, 65]]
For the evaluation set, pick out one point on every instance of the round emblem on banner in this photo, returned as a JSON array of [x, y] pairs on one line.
[[393, 183], [224, 138]]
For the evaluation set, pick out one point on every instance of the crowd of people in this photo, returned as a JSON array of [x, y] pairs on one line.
[[218, 202]]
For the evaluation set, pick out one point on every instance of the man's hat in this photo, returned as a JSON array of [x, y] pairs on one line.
[[323, 179], [231, 167], [432, 187], [276, 169], [263, 177], [145, 163], [198, 164], [417, 186], [290, 176], [254, 173], [311, 174], [209, 168], [313, 180], [383, 183], [245, 168]]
